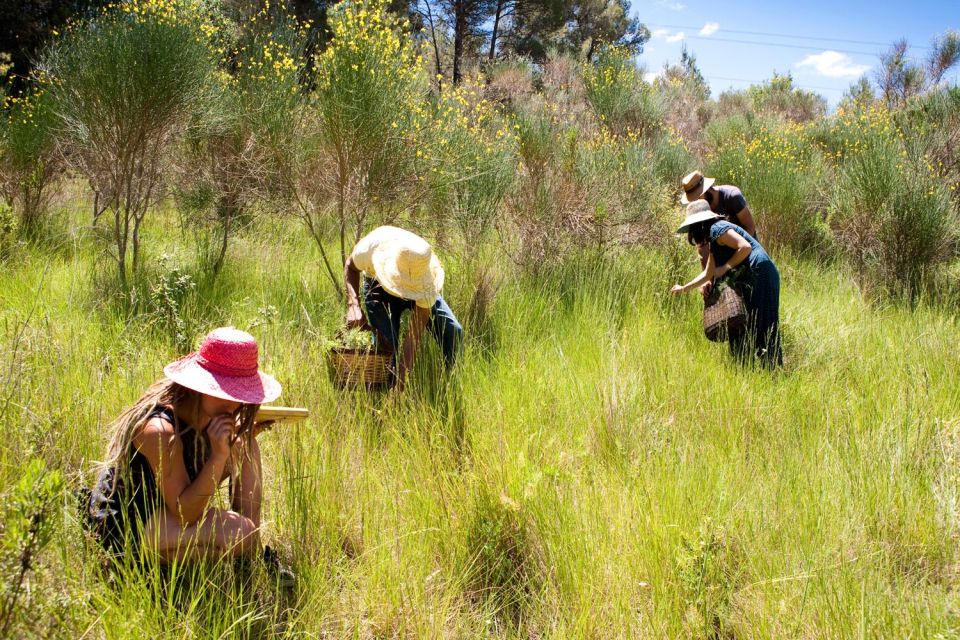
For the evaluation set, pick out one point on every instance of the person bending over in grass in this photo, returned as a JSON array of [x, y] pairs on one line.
[[727, 246], [725, 200], [401, 273], [170, 451]]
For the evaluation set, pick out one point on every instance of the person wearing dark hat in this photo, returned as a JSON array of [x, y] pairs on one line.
[[728, 246], [172, 449], [402, 274]]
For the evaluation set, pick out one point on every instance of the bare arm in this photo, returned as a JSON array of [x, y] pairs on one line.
[[418, 323], [247, 494], [705, 276], [184, 500], [351, 278], [745, 219], [733, 240]]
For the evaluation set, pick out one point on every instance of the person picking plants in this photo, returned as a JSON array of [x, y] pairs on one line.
[[171, 450], [401, 273], [725, 200], [728, 246]]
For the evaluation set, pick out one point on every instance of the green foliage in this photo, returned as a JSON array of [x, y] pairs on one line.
[[781, 173], [471, 153], [8, 230], [894, 219], [30, 165], [125, 86], [167, 297], [502, 565], [26, 527], [709, 566], [618, 95]]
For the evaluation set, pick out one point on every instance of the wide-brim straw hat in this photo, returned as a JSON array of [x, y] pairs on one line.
[[697, 211], [406, 265], [226, 366], [694, 185]]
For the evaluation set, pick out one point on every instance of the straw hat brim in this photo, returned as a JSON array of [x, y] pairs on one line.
[[254, 389], [696, 193], [425, 288], [695, 218]]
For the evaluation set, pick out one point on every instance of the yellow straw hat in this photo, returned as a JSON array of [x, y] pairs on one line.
[[406, 266], [693, 185]]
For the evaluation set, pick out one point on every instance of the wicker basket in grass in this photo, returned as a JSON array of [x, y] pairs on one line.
[[355, 362], [724, 313]]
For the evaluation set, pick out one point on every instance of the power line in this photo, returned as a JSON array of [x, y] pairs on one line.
[[785, 35], [780, 44], [796, 86]]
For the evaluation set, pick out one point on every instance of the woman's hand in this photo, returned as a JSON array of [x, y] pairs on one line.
[[355, 319], [221, 431], [723, 270], [260, 427], [677, 289]]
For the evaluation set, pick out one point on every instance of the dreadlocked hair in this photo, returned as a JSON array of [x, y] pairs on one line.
[[165, 394]]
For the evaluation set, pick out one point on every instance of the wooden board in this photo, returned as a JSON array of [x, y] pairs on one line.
[[281, 414]]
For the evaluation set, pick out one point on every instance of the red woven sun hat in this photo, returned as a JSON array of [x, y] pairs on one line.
[[226, 366]]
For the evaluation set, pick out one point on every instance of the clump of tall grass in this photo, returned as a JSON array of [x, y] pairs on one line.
[[504, 564]]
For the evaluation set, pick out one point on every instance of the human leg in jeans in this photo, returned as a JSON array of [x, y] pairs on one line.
[[447, 330]]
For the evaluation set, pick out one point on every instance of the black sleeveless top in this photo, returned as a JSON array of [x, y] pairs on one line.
[[121, 506]]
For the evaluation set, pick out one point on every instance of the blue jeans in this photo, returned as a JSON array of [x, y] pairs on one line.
[[385, 309]]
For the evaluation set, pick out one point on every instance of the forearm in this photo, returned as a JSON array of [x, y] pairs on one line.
[[192, 503], [737, 258], [705, 276], [247, 493], [351, 278]]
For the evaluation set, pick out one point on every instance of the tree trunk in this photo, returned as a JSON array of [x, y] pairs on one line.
[[493, 31], [459, 37]]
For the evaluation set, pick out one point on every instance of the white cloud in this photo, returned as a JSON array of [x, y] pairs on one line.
[[673, 5], [710, 28], [660, 33], [833, 64], [677, 37], [650, 76]]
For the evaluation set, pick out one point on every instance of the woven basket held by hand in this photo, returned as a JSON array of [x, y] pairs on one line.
[[724, 314], [363, 367]]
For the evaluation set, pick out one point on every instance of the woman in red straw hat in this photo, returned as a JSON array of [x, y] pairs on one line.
[[171, 450]]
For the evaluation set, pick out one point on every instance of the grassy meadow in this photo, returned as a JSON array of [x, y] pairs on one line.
[[593, 469]]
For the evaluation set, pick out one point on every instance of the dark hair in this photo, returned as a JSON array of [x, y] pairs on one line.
[[699, 232]]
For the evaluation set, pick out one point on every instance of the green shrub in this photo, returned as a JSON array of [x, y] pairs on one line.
[[780, 173], [125, 86], [618, 95], [893, 218], [30, 164]]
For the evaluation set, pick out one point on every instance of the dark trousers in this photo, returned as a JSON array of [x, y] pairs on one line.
[[384, 311]]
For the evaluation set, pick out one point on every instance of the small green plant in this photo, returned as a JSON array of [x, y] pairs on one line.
[[503, 566], [708, 566], [8, 230], [27, 526], [167, 296]]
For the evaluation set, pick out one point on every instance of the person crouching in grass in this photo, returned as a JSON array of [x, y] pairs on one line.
[[402, 273], [728, 246], [172, 449]]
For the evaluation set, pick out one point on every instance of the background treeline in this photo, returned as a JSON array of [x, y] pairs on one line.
[[530, 118]]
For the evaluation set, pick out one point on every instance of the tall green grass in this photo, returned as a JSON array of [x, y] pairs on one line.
[[599, 470]]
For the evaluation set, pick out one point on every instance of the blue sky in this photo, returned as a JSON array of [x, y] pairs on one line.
[[831, 44]]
